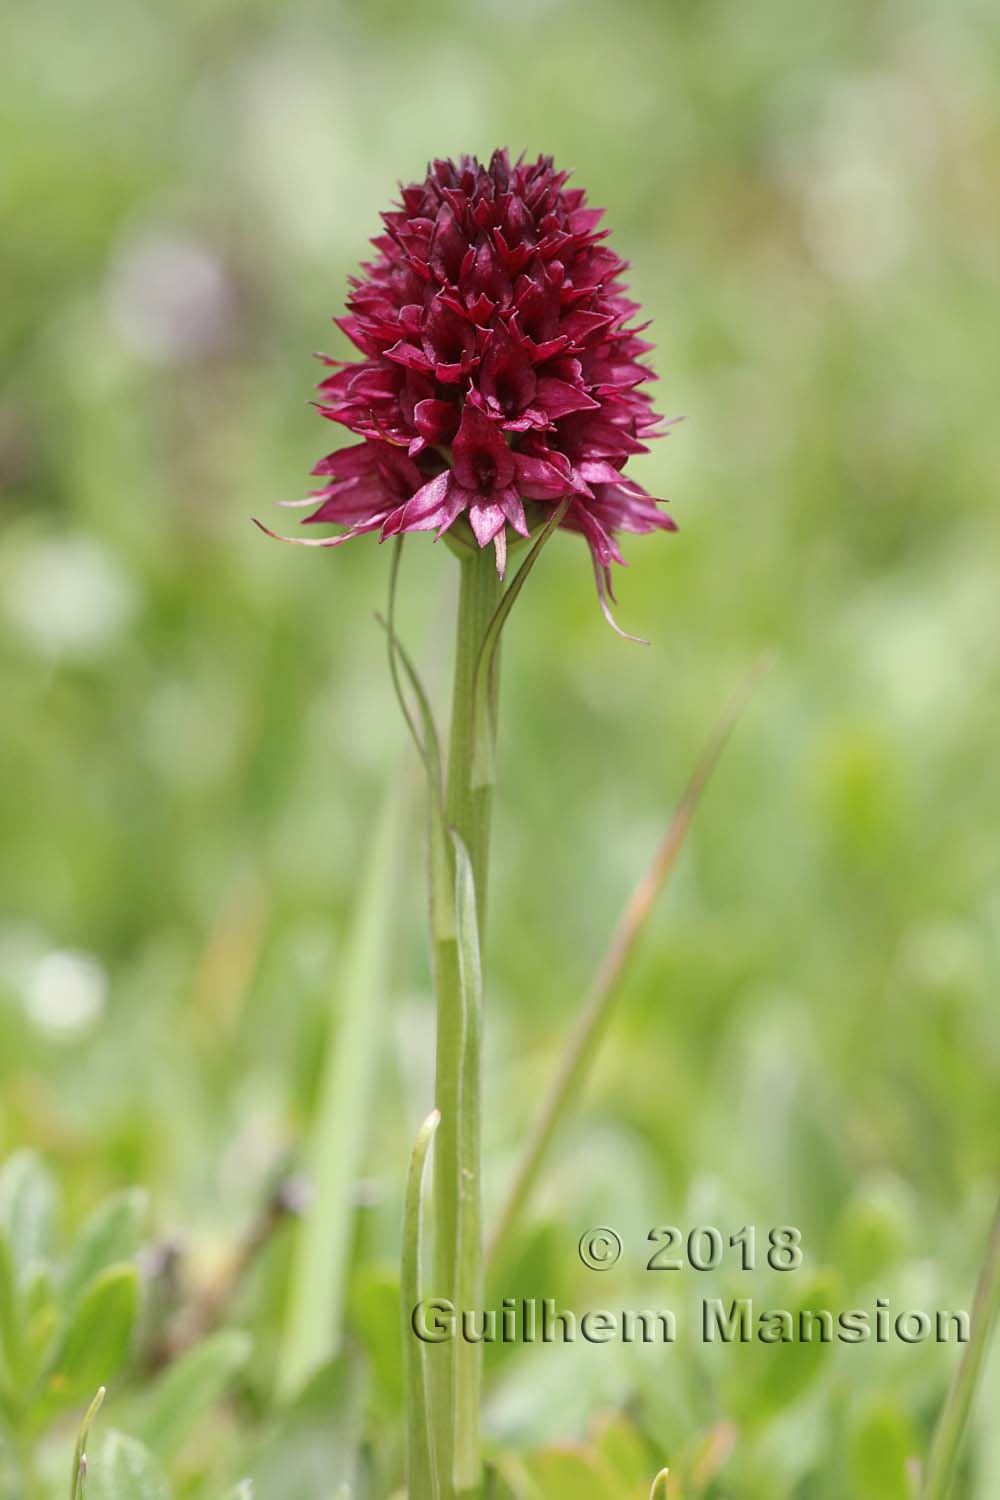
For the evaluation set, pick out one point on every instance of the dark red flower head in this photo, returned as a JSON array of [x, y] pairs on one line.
[[498, 367]]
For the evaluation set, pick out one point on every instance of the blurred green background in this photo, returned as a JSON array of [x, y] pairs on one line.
[[198, 726]]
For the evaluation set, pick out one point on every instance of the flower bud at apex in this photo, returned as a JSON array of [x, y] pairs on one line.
[[499, 365]]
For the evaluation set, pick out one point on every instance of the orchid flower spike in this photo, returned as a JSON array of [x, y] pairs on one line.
[[500, 371]]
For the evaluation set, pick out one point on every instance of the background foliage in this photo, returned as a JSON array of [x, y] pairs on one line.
[[198, 726]]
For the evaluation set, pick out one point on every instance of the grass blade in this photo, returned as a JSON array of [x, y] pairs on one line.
[[600, 1003], [423, 1476], [947, 1443], [78, 1479], [337, 1136], [110, 1235], [427, 741], [424, 733], [468, 1278]]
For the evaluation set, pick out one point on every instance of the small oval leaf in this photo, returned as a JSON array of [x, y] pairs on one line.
[[109, 1236], [96, 1339], [28, 1198]]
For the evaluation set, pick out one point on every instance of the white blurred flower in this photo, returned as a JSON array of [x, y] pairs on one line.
[[22, 946], [853, 149], [65, 993], [67, 595], [294, 145], [168, 297]]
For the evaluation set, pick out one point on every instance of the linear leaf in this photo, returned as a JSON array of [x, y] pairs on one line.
[[427, 741], [423, 1473], [484, 691], [425, 735], [78, 1475], [10, 1328], [946, 1447], [339, 1127], [467, 1367]]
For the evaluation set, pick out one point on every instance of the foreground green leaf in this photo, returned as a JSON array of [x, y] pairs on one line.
[[109, 1236], [423, 1475], [28, 1199], [10, 1333], [96, 1340], [340, 1125], [622, 1448], [882, 1448], [767, 1379], [946, 1448], [125, 1470], [191, 1387], [573, 1474], [468, 1279]]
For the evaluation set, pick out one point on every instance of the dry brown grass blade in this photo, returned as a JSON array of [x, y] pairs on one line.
[[600, 1003]]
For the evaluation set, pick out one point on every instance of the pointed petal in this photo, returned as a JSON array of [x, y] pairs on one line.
[[510, 501], [486, 520], [500, 547], [539, 480], [433, 507], [303, 541], [558, 398]]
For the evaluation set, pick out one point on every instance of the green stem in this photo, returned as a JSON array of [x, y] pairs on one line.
[[943, 1462], [467, 807], [458, 1090]]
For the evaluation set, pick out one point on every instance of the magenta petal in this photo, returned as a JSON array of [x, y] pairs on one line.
[[350, 504], [500, 548], [598, 471], [345, 461], [437, 421], [538, 480], [406, 354], [482, 459], [558, 399], [433, 508], [486, 521], [510, 501], [580, 325], [627, 507], [580, 517]]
